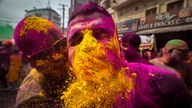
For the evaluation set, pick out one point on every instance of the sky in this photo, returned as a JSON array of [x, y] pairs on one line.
[[12, 11]]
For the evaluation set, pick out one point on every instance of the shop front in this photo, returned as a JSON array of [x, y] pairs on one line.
[[166, 26]]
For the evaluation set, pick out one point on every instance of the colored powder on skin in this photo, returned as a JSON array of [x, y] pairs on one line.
[[88, 56], [35, 23], [98, 83], [114, 44]]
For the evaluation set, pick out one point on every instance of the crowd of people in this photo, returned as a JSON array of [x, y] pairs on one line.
[[91, 68], [13, 68]]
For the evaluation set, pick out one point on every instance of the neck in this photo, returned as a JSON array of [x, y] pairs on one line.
[[132, 57], [164, 59]]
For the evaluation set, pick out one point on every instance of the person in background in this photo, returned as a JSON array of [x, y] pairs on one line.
[[1, 43], [173, 59], [5, 52], [130, 47], [160, 53], [189, 58], [13, 75], [103, 79], [43, 45]]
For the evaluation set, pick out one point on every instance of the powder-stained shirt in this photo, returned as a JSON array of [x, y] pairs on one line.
[[32, 95], [158, 88]]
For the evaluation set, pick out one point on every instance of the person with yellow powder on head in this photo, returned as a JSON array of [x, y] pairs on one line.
[[43, 45], [103, 79]]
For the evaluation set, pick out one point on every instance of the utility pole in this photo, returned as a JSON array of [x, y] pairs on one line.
[[49, 7], [63, 8], [48, 4]]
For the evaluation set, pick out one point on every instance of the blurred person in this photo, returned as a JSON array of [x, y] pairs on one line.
[[26, 68], [43, 45], [149, 55], [103, 79], [1, 43], [189, 57], [13, 75], [160, 54], [130, 43], [5, 52], [173, 58]]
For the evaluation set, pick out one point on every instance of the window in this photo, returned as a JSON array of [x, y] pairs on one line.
[[120, 13], [175, 7], [38, 14], [150, 15], [151, 12]]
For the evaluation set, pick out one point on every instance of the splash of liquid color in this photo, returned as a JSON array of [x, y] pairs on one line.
[[98, 83]]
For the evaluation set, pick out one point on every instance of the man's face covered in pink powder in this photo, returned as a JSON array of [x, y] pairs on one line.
[[93, 46]]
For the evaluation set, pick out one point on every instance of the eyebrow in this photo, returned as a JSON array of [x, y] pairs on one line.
[[76, 29], [101, 29], [76, 21], [84, 21]]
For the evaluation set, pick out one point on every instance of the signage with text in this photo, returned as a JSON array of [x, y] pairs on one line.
[[173, 22]]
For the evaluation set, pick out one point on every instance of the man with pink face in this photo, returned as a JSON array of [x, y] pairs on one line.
[[103, 79], [101, 25]]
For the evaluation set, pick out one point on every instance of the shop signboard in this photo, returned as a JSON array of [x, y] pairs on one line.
[[128, 25], [147, 42], [166, 20]]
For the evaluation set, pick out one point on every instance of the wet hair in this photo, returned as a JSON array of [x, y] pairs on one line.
[[87, 9], [132, 39]]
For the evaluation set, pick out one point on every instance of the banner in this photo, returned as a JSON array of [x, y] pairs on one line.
[[129, 25], [147, 42]]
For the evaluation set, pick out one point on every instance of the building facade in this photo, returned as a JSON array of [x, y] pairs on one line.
[[47, 13], [165, 19]]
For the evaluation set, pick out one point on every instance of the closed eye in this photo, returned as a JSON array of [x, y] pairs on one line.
[[76, 39], [101, 34]]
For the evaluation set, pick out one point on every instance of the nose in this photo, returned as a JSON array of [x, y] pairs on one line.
[[89, 42]]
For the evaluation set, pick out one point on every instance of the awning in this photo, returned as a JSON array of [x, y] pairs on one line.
[[166, 29]]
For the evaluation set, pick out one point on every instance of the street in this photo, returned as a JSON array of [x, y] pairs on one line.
[[7, 98]]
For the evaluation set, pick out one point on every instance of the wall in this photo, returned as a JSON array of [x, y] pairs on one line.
[[137, 9]]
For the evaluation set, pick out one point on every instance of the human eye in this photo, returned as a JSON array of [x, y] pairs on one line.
[[76, 39], [101, 34]]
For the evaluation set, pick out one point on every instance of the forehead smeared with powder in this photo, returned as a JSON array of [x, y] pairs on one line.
[[93, 21], [86, 14]]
